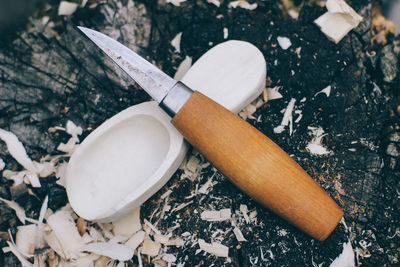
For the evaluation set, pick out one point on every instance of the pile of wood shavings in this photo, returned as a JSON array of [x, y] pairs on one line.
[[62, 238]]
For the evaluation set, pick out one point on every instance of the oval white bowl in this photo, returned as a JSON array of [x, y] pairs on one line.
[[133, 153]]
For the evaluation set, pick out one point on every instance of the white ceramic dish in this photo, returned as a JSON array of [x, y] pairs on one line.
[[133, 154]]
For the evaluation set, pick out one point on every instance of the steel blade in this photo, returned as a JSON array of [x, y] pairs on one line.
[[155, 82]]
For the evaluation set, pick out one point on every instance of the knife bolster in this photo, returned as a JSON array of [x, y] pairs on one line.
[[176, 98]]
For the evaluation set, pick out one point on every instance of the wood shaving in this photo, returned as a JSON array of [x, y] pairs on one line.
[[67, 8], [81, 224], [152, 227], [346, 258], [193, 164], [26, 238], [181, 206], [214, 248], [284, 42], [67, 234], [338, 21], [273, 93], [13, 249], [204, 188], [326, 90], [338, 188], [72, 129], [315, 146], [177, 242], [17, 150], [20, 212], [243, 4], [2, 164], [176, 2], [215, 2], [170, 258], [216, 215], [244, 210], [68, 147], [136, 240], [150, 248], [238, 234], [248, 111], [166, 194], [287, 119], [112, 250], [253, 215], [128, 225], [183, 68], [162, 239], [176, 42]]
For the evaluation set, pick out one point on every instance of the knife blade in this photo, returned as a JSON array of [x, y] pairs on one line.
[[246, 156]]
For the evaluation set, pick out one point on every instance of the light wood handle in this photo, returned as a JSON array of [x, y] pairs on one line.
[[257, 165]]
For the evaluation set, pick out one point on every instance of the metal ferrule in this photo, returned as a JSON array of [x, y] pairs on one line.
[[176, 98]]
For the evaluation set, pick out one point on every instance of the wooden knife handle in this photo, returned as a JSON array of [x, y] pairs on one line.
[[257, 165]]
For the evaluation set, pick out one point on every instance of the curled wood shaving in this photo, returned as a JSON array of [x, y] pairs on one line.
[[13, 249], [20, 212], [243, 4]]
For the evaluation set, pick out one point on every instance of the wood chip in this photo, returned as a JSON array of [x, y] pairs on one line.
[[20, 212], [17, 150], [193, 164], [214, 248], [26, 238], [150, 248], [338, 21], [176, 42], [170, 258], [66, 232], [239, 234], [243, 209], [129, 224], [216, 215], [152, 227], [243, 4], [136, 240], [81, 224], [178, 242], [112, 250], [67, 8], [273, 93]]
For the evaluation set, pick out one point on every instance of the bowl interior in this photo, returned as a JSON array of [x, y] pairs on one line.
[[117, 163]]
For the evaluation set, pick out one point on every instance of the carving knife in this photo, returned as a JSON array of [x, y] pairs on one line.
[[247, 157]]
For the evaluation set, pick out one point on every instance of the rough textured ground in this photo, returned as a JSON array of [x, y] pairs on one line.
[[49, 74]]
